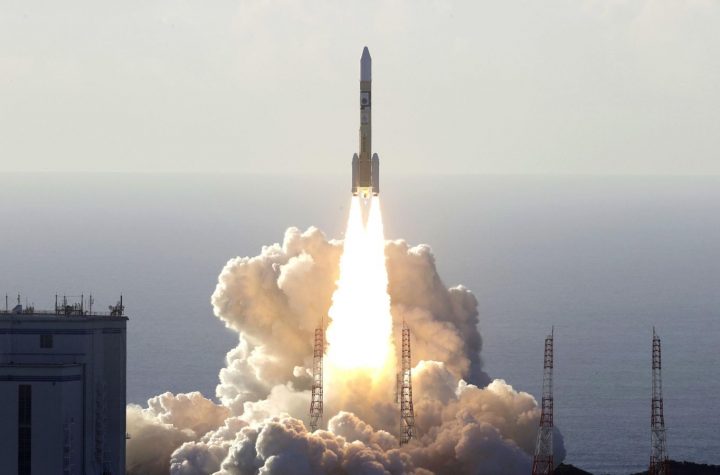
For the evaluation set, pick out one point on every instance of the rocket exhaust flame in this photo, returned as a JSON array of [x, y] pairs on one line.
[[360, 332]]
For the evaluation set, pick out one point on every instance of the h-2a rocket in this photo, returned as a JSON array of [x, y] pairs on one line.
[[365, 169]]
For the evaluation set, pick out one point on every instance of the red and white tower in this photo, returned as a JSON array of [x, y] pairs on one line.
[[316, 402], [407, 413], [543, 460], [658, 443]]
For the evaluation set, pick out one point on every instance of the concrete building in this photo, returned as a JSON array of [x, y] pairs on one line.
[[62, 390]]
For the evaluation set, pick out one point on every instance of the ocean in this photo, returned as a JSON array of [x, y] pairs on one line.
[[603, 259]]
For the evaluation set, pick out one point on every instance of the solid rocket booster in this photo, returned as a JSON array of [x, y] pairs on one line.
[[365, 169]]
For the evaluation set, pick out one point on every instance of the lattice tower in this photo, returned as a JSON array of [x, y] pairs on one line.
[[658, 443], [398, 386], [316, 403], [407, 413], [543, 460]]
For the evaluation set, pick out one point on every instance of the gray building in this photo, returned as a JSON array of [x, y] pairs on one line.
[[62, 390]]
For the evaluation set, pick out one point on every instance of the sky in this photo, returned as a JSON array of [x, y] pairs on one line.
[[466, 87]]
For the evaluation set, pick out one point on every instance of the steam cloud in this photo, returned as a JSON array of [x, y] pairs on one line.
[[466, 422]]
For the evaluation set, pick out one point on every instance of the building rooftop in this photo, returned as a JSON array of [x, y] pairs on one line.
[[80, 310]]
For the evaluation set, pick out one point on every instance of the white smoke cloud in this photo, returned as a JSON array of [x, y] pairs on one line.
[[466, 423], [166, 423], [205, 456]]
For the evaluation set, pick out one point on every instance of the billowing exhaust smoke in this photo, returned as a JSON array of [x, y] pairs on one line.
[[466, 422]]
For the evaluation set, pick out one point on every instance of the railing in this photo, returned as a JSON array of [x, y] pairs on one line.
[[28, 311], [77, 309]]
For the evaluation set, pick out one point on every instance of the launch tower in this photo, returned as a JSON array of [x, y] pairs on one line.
[[658, 443], [316, 403], [543, 460], [407, 413]]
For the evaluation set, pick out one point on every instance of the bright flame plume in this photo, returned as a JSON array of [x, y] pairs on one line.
[[360, 332]]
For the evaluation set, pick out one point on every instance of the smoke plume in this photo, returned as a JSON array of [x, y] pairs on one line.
[[466, 422]]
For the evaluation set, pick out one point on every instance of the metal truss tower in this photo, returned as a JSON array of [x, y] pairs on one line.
[[658, 443], [543, 460], [316, 402], [407, 413]]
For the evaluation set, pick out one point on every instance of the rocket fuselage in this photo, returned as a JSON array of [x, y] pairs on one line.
[[366, 165], [364, 170]]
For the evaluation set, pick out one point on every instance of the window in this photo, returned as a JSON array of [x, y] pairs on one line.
[[46, 341], [24, 429]]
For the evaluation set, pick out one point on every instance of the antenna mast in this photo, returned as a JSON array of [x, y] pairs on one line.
[[543, 460], [658, 443], [316, 402]]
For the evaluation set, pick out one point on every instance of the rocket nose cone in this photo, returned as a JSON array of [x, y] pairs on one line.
[[366, 65]]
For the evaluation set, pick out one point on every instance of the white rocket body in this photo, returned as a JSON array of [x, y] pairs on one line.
[[365, 165]]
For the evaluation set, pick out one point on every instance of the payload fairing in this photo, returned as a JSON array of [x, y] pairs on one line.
[[365, 169]]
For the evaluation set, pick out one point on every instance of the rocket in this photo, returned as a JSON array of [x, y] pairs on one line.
[[365, 169]]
